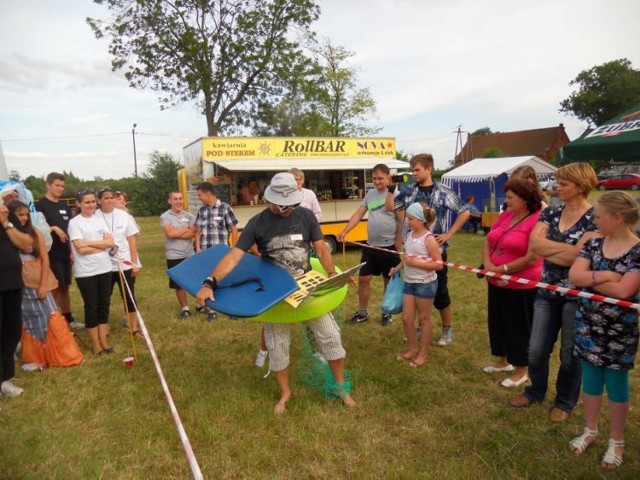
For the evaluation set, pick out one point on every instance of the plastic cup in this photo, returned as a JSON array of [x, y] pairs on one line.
[[129, 361]]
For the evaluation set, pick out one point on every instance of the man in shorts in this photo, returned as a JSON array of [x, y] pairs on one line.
[[283, 234], [382, 230], [58, 214], [179, 230]]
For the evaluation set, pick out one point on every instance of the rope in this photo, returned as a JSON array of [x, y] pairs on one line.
[[186, 445], [512, 278]]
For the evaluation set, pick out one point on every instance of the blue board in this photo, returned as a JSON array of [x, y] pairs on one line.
[[242, 300]]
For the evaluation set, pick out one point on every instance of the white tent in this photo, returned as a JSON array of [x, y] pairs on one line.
[[483, 177], [483, 169]]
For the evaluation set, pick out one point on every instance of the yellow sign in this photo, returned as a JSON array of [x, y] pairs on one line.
[[229, 148]]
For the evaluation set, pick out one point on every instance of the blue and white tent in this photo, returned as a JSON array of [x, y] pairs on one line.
[[484, 178]]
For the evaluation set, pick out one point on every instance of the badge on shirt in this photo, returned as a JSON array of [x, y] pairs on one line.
[[296, 237], [64, 212]]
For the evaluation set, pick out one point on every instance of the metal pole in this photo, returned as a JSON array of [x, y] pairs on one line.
[[135, 158]]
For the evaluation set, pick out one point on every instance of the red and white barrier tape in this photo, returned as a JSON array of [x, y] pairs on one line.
[[191, 457], [511, 278]]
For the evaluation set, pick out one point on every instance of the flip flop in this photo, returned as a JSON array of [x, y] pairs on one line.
[[402, 357], [414, 364]]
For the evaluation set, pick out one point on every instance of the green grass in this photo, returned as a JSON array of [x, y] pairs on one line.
[[448, 419]]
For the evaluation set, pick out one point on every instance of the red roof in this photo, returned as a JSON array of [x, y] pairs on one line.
[[541, 142]]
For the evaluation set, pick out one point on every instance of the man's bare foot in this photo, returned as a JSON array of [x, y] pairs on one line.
[[348, 401], [406, 356], [281, 406]]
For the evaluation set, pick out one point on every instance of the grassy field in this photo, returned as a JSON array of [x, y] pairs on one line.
[[446, 420]]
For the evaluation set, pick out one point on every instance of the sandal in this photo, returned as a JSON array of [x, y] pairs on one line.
[[579, 444], [108, 350], [414, 364], [406, 357], [138, 333], [611, 461]]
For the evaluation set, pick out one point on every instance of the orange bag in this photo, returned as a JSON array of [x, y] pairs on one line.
[[32, 349], [61, 349]]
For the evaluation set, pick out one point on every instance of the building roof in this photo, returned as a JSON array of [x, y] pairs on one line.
[[541, 142]]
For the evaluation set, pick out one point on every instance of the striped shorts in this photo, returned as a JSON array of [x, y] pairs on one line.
[[325, 330]]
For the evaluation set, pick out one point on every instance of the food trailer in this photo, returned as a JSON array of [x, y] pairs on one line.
[[337, 169]]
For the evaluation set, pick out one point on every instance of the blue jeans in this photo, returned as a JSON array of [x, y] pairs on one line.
[[550, 315]]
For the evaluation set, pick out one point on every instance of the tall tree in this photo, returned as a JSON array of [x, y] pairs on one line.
[[603, 92], [321, 99], [222, 54]]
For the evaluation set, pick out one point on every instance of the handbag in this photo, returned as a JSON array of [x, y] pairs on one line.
[[32, 272], [392, 299]]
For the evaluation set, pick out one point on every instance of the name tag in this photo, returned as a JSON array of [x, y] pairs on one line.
[[64, 212], [217, 218], [184, 220], [296, 237]]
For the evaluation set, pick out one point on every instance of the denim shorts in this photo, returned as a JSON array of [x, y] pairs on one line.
[[421, 290]]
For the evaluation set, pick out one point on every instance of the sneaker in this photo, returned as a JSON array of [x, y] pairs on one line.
[[211, 316], [76, 325], [386, 319], [359, 318], [200, 309], [10, 390], [446, 338], [261, 357], [185, 314]]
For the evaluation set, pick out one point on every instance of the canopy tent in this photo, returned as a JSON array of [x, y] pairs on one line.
[[484, 177], [618, 139], [284, 164]]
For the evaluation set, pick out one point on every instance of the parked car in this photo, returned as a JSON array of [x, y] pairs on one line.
[[621, 182], [545, 180]]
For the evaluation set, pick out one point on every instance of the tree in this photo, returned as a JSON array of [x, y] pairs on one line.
[[604, 91], [152, 189], [483, 131], [320, 99], [492, 152], [225, 54]]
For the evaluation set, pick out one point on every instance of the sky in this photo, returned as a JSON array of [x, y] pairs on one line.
[[431, 66]]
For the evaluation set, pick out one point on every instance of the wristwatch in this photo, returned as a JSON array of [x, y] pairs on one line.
[[9, 226], [210, 282]]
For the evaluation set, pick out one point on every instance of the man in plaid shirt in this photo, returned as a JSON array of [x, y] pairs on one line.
[[443, 200], [215, 219], [214, 222]]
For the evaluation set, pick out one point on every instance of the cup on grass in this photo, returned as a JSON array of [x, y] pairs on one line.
[[129, 361]]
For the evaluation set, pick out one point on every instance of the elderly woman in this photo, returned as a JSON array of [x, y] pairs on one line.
[[12, 241], [558, 237], [510, 304]]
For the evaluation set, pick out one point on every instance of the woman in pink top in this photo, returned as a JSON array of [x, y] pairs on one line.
[[510, 306]]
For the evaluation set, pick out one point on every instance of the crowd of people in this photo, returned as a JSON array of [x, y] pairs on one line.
[[570, 243]]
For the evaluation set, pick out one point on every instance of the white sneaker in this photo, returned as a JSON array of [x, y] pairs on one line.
[[10, 390], [446, 338], [261, 357], [76, 325]]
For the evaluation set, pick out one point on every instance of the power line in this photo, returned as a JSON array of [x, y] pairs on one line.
[[93, 135]]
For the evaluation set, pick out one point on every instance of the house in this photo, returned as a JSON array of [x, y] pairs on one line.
[[540, 142]]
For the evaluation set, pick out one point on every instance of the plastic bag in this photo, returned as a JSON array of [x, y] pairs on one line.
[[392, 300]]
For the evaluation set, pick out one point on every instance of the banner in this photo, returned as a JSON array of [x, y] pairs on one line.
[[221, 148]]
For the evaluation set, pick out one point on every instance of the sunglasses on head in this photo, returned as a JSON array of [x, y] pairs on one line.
[[284, 208], [85, 191], [102, 190]]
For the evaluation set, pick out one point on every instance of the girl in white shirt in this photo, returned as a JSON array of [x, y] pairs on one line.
[[90, 244]]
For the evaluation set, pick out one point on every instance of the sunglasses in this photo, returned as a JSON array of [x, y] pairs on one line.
[[284, 208], [102, 190], [85, 191]]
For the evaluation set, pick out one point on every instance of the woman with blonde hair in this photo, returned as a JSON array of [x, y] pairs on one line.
[[607, 335], [558, 237]]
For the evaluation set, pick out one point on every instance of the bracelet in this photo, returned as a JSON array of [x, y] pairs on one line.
[[505, 269], [210, 282]]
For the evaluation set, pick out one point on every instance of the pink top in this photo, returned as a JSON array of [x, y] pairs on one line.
[[511, 246]]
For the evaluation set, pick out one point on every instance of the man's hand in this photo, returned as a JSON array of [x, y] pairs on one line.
[[204, 294], [60, 233], [443, 237]]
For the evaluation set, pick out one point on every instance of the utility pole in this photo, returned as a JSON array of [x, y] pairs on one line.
[[135, 158]]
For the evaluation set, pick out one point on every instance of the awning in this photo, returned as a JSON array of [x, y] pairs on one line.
[[482, 169], [283, 164], [618, 139]]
